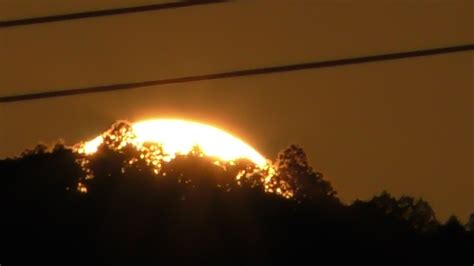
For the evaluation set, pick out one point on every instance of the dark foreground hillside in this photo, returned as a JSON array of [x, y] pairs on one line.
[[196, 215]]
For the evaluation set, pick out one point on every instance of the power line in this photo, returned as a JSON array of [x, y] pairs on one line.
[[240, 73], [106, 12]]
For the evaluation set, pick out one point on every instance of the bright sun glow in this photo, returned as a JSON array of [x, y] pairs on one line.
[[180, 136]]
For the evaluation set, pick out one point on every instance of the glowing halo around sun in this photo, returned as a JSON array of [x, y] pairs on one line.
[[181, 136]]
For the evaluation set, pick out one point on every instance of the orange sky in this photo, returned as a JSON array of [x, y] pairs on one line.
[[405, 126]]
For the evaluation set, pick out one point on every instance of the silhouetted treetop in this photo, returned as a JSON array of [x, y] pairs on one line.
[[127, 205], [294, 172], [417, 213], [290, 176]]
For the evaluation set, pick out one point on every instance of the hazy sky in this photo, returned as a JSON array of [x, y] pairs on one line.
[[406, 126]]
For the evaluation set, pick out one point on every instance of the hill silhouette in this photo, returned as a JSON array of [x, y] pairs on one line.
[[119, 206]]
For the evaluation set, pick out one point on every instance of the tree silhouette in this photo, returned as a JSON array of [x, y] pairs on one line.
[[470, 223], [136, 208], [294, 173], [417, 213], [454, 225]]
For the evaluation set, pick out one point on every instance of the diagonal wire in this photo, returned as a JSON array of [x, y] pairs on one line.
[[105, 12], [240, 73]]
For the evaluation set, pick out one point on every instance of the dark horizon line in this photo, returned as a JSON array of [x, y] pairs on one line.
[[239, 73], [105, 12]]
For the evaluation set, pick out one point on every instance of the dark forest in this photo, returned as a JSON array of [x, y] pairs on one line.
[[112, 208]]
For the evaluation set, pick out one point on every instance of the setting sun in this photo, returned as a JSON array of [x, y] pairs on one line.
[[180, 136]]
